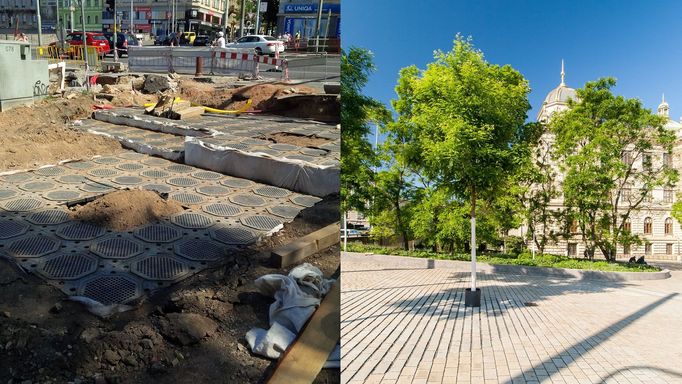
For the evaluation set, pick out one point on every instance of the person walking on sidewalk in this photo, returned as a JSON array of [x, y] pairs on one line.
[[220, 41]]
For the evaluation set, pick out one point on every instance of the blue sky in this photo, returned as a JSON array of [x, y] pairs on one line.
[[637, 42]]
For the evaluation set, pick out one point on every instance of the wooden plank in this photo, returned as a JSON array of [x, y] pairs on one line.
[[304, 358], [186, 113]]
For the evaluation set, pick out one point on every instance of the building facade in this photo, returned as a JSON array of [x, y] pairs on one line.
[[652, 221], [23, 13], [300, 16], [70, 10]]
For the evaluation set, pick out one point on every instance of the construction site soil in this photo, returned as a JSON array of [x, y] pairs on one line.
[[190, 332]]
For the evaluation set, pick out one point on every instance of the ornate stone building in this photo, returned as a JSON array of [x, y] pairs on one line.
[[652, 221]]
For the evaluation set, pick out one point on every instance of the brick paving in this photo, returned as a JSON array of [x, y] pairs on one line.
[[403, 320]]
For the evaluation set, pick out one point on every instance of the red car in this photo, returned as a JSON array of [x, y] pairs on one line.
[[97, 40]]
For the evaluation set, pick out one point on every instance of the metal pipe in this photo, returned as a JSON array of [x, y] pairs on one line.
[[85, 45], [319, 20], [115, 36], [257, 16], [241, 23], [226, 18], [40, 24], [71, 9], [132, 22]]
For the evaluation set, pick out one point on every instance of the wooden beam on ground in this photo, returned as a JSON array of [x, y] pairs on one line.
[[305, 246], [303, 360]]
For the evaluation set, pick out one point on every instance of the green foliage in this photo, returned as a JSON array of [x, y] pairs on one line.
[[357, 112], [603, 144], [525, 259], [453, 145]]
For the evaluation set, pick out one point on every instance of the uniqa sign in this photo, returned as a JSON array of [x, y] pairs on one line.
[[300, 8]]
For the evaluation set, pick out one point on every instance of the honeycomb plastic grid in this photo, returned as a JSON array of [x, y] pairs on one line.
[[222, 210], [117, 248], [48, 217], [110, 289], [6, 193], [21, 205], [159, 267], [11, 228], [68, 266], [192, 220], [80, 231], [248, 200], [200, 250], [32, 246], [157, 233], [38, 186], [261, 222]]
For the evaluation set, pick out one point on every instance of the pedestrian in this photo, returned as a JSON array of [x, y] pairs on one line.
[[175, 41], [297, 40], [220, 41]]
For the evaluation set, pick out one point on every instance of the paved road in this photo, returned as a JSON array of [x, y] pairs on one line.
[[403, 321]]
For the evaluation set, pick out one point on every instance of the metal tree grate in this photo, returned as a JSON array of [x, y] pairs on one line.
[[160, 267], [72, 179], [269, 191], [236, 183], [233, 235], [284, 147], [180, 168], [261, 222], [106, 160], [38, 186], [117, 248], [11, 228], [22, 205], [222, 210], [155, 174], [17, 177], [67, 266], [128, 180], [305, 201], [109, 290], [285, 211], [157, 233], [95, 187], [80, 231], [33, 246], [50, 171], [49, 217], [187, 198], [200, 250], [62, 195], [213, 190], [155, 161], [248, 200], [182, 182], [131, 155], [192, 220], [81, 165], [207, 175], [104, 172], [158, 188], [129, 166], [7, 193], [313, 152]]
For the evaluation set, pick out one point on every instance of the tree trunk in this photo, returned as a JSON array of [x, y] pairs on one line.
[[473, 239]]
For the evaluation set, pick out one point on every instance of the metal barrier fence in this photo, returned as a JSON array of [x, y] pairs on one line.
[[308, 67], [74, 56], [184, 60]]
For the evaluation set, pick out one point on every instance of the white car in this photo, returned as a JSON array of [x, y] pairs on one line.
[[262, 44]]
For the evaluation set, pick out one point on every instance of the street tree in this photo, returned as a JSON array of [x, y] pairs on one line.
[[358, 113], [614, 153], [467, 116]]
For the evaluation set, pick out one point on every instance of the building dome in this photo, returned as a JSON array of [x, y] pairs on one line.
[[556, 100], [664, 108], [560, 94]]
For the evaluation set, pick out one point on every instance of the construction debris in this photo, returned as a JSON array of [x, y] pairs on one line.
[[172, 108]]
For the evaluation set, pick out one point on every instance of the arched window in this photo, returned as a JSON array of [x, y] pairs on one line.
[[647, 226], [669, 226], [627, 225]]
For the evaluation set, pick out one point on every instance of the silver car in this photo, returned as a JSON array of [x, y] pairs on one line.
[[261, 44]]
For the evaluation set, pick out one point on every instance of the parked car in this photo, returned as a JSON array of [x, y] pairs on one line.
[[202, 41], [123, 41], [187, 38], [261, 44], [93, 39]]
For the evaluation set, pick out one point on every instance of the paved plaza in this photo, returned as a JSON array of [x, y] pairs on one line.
[[403, 320]]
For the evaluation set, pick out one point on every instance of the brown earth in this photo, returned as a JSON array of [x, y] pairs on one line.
[[37, 135], [191, 332], [301, 141], [126, 209]]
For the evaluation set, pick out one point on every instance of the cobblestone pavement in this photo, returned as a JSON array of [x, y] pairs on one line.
[[403, 320]]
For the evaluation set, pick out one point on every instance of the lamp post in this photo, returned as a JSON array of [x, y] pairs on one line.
[[319, 20], [226, 17], [40, 24], [132, 25], [72, 9]]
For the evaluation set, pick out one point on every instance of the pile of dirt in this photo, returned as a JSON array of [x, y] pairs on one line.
[[126, 209], [299, 140], [37, 135]]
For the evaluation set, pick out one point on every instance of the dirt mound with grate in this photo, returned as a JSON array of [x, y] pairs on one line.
[[37, 135], [127, 209]]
